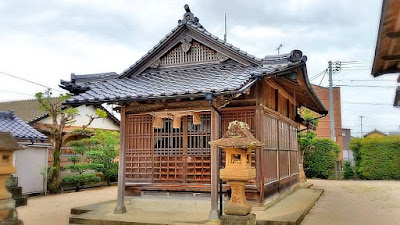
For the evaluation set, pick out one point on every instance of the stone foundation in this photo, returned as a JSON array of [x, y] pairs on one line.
[[249, 219]]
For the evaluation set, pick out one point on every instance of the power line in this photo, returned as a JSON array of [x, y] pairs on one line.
[[366, 103], [363, 80], [345, 85], [26, 80]]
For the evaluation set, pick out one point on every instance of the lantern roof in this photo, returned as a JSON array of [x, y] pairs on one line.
[[237, 136]]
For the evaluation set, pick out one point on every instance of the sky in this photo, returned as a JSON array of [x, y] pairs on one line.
[[45, 41]]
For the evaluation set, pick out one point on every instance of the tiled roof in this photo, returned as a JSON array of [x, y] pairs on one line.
[[77, 80], [27, 110], [179, 81], [197, 27], [9, 122]]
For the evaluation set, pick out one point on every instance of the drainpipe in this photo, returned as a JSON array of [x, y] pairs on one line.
[[209, 97]]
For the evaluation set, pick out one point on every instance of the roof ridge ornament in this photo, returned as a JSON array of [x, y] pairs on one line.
[[189, 18]]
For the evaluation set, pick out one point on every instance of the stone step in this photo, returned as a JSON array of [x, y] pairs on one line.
[[290, 210]]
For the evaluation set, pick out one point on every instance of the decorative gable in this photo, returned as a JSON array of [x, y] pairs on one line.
[[188, 51]]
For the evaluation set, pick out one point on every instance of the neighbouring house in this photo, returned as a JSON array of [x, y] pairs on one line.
[[30, 161], [387, 50], [347, 152], [374, 134], [29, 111], [183, 92], [324, 124]]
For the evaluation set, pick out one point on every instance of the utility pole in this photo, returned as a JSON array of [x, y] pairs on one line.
[[361, 118], [225, 29], [279, 47], [331, 113]]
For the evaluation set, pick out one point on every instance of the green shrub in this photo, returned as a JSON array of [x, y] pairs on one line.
[[377, 158], [320, 158], [348, 171], [81, 179]]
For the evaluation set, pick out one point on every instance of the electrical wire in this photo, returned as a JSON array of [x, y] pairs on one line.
[[29, 81], [345, 85]]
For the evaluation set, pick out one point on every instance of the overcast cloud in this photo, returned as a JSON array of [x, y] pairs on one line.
[[46, 41]]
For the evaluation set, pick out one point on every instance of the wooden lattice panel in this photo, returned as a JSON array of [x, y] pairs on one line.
[[270, 134], [270, 165], [139, 149], [199, 135], [167, 140], [168, 169], [284, 163], [199, 169], [284, 136], [197, 53], [293, 139], [294, 163]]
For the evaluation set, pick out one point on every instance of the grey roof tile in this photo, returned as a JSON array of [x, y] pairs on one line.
[[167, 82], [9, 122]]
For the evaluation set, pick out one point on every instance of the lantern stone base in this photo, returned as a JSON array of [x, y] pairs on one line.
[[249, 219], [238, 204], [8, 214]]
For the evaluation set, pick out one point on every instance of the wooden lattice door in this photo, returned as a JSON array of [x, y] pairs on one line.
[[183, 155]]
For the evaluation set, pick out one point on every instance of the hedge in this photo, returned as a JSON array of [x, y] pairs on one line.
[[377, 158], [320, 158]]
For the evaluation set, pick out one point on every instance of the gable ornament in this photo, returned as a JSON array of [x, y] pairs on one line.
[[186, 43], [155, 64]]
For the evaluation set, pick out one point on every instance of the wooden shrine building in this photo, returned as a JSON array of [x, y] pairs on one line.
[[170, 101]]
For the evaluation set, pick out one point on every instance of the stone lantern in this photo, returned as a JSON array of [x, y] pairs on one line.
[[238, 143], [8, 144]]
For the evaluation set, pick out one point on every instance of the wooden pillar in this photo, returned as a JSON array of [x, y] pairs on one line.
[[260, 155], [120, 208], [214, 166], [259, 135]]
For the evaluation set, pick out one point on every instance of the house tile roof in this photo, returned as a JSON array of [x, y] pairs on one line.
[[27, 110], [179, 81], [9, 122]]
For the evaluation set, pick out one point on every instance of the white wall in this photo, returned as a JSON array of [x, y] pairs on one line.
[[348, 156], [82, 119], [30, 162]]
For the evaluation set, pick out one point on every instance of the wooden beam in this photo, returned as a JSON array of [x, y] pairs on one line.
[[393, 35], [393, 42], [390, 57]]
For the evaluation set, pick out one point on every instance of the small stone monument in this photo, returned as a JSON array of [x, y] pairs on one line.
[[8, 214], [237, 143]]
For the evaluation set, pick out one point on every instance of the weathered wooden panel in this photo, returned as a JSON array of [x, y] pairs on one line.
[[284, 163], [270, 165], [270, 136], [283, 136], [294, 163], [139, 149]]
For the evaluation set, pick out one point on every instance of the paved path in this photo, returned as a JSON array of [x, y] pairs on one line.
[[55, 209], [356, 202]]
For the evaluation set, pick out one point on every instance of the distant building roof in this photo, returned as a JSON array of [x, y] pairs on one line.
[[27, 110], [30, 112], [9, 122], [375, 132]]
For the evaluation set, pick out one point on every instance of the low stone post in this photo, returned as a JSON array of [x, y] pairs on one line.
[[8, 214], [237, 143]]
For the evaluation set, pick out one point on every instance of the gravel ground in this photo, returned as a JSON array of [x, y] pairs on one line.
[[343, 202], [356, 202], [55, 209]]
